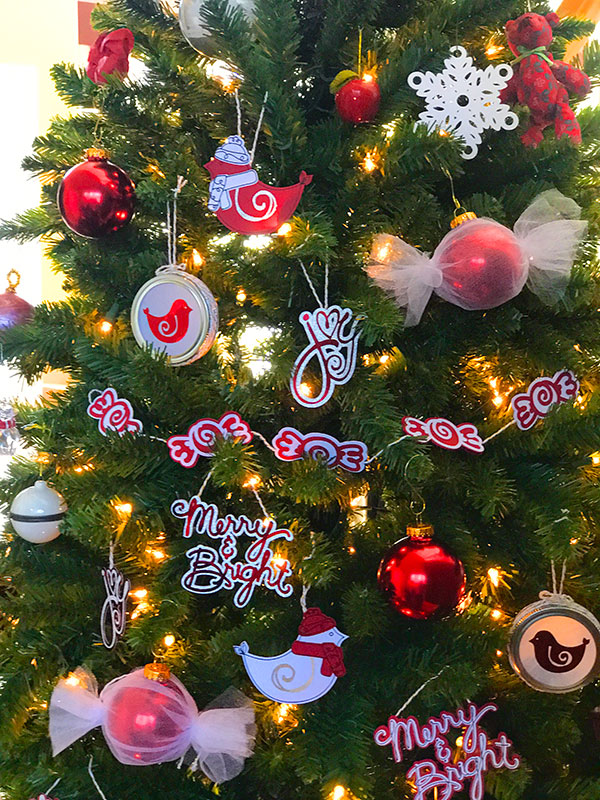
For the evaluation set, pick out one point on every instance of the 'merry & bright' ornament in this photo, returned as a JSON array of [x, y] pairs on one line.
[[481, 264]]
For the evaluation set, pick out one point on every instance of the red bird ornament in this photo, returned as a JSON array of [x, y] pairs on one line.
[[174, 325], [243, 203]]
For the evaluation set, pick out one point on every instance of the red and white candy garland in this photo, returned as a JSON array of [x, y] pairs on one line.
[[450, 771], [112, 412], [202, 436], [444, 433], [542, 394], [290, 445]]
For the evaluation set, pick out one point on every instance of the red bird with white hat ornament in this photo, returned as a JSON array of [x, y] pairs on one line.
[[242, 202], [306, 671]]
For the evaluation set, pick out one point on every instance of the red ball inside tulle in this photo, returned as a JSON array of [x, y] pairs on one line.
[[96, 198], [483, 265], [421, 579], [142, 724]]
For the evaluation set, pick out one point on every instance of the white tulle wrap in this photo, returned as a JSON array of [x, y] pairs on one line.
[[217, 739], [547, 233]]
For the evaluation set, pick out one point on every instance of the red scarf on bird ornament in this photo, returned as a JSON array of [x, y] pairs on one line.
[[332, 655]]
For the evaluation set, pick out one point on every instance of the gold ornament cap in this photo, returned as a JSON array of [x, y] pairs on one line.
[[14, 279], [420, 530], [96, 154], [157, 672], [460, 218]]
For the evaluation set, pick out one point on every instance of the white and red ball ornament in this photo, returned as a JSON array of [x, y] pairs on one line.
[[357, 97], [96, 197], [242, 202], [36, 513], [482, 264], [175, 313], [13, 309], [305, 672], [555, 644], [419, 578], [194, 28], [149, 717]]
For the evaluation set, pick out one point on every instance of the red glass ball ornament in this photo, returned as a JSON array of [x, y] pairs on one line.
[[358, 100], [483, 265], [96, 197], [420, 578], [144, 719]]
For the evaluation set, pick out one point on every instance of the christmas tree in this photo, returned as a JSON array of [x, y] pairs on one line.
[[323, 510]]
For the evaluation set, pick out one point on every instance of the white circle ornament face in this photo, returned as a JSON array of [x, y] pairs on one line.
[[193, 27], [37, 512], [555, 645], [175, 313]]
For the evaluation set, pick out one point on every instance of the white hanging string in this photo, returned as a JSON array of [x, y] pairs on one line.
[[383, 449], [172, 223], [260, 502], [205, 482], [306, 586], [264, 441], [258, 127], [420, 689], [326, 291], [54, 785], [94, 781], [111, 555], [311, 284], [562, 577], [498, 432], [239, 113]]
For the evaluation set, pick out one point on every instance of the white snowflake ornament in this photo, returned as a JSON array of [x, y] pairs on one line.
[[464, 100]]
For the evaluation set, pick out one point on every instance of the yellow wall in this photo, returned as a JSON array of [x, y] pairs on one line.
[[40, 33]]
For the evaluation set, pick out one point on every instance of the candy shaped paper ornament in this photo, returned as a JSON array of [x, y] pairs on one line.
[[481, 264], [541, 395], [212, 569], [202, 436], [448, 771], [291, 445], [332, 346], [36, 513], [241, 202], [305, 672], [112, 412], [444, 433], [149, 717], [464, 100], [175, 313]]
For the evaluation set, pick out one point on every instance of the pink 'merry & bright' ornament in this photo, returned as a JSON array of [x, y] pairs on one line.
[[13, 309], [481, 264], [149, 717], [420, 578], [305, 672], [241, 202], [96, 197], [541, 83]]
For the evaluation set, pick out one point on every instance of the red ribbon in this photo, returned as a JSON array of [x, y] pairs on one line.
[[332, 655]]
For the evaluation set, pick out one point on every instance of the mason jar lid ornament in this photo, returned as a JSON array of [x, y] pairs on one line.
[[37, 512], [480, 263], [13, 309], [555, 643], [175, 312], [149, 717]]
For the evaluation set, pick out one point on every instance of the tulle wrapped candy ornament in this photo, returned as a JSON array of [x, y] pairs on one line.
[[480, 263], [149, 717]]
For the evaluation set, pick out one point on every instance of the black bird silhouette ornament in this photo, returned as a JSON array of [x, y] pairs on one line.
[[555, 657]]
